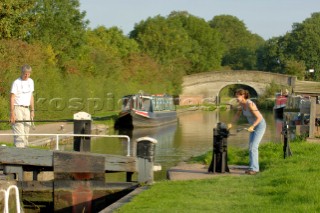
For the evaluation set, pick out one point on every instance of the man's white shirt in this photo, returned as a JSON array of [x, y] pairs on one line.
[[23, 91]]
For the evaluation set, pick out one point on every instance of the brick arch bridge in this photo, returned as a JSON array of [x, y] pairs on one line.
[[207, 86]]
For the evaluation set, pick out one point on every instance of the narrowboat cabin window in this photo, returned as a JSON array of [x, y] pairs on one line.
[[145, 104]]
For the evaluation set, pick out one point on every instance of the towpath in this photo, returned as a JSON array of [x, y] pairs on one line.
[[185, 171], [50, 128]]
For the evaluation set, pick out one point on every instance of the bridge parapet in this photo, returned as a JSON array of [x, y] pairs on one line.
[[209, 84], [238, 76]]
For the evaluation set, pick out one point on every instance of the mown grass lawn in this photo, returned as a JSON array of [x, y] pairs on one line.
[[283, 185]]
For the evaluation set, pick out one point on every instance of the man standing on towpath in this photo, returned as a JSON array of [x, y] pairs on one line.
[[22, 106]]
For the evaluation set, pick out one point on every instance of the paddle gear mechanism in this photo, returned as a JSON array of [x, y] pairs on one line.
[[220, 149]]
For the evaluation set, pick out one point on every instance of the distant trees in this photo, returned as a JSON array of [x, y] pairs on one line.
[[296, 51], [229, 44], [16, 18], [206, 47], [105, 51], [304, 41], [57, 24], [60, 25], [161, 39], [182, 38], [239, 43], [270, 56]]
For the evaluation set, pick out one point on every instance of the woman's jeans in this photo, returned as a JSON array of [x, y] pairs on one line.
[[254, 141]]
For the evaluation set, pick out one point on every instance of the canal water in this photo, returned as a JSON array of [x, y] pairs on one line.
[[191, 136]]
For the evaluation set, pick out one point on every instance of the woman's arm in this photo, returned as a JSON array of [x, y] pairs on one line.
[[237, 115], [235, 118], [253, 108]]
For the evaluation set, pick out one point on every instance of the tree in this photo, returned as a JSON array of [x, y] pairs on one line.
[[161, 39], [61, 25], [240, 44], [105, 51], [303, 43], [233, 31], [296, 51], [206, 47], [271, 56], [16, 19], [180, 37], [240, 58], [296, 68], [112, 38]]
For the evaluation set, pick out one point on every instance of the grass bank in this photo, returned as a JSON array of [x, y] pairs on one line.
[[283, 185]]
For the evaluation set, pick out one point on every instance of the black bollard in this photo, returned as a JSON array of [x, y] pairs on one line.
[[220, 149], [82, 125], [286, 146]]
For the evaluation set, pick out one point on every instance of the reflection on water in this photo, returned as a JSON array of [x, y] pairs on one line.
[[191, 136], [165, 134]]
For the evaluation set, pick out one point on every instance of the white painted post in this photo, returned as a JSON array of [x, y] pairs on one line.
[[145, 159], [82, 125]]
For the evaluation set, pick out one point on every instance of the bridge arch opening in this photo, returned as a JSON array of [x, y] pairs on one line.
[[231, 89], [226, 94]]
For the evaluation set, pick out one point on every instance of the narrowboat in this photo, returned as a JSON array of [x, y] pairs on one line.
[[280, 104], [141, 111]]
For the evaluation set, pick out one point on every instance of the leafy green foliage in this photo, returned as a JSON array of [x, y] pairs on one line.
[[233, 31], [61, 25], [304, 41], [295, 52], [272, 89], [240, 58], [270, 56], [181, 38], [207, 48], [16, 18], [104, 51], [296, 68], [239, 43], [111, 39], [161, 39]]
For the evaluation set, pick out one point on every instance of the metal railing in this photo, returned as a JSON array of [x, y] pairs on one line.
[[6, 198], [58, 136]]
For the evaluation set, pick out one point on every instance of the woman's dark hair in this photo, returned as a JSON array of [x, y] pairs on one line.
[[243, 92]]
